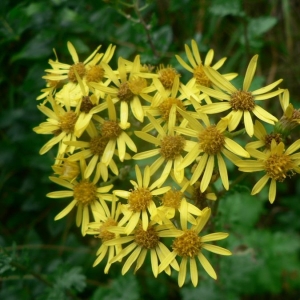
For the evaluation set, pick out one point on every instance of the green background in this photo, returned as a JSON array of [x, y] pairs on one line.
[[43, 259]]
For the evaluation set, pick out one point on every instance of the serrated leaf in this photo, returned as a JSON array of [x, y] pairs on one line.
[[240, 209], [73, 278]]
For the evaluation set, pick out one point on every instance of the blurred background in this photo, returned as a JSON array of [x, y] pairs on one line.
[[43, 259]]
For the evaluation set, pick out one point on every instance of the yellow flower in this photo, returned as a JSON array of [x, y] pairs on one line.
[[88, 107], [66, 169], [91, 70], [167, 76], [196, 64], [142, 241], [51, 84], [129, 90], [164, 99], [105, 228], [291, 116], [169, 148], [140, 200], [277, 163], [61, 123], [240, 102], [94, 149], [174, 201], [85, 195], [212, 143], [114, 131], [264, 139], [188, 246]]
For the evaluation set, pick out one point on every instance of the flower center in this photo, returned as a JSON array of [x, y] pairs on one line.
[[167, 76], [147, 239], [111, 129], [272, 136], [279, 166], [68, 121], [201, 77], [85, 192], [136, 85], [95, 74], [166, 106], [211, 140], [80, 69], [171, 146], [125, 94], [104, 234], [172, 199], [86, 104], [98, 144], [241, 100], [188, 244], [139, 199]]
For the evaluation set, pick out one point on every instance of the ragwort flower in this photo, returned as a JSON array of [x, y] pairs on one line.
[[105, 228], [86, 194], [170, 146], [129, 90], [197, 66], [212, 143], [240, 102], [61, 123], [142, 241], [188, 246], [140, 200], [277, 163]]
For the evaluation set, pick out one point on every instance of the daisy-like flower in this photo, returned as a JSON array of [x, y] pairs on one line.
[[140, 200], [278, 164], [212, 143], [130, 89], [167, 76], [170, 146], [241, 102], [105, 228], [188, 245], [291, 116], [164, 99], [114, 131], [197, 66], [89, 106], [264, 138], [174, 201], [90, 69], [94, 149], [61, 123], [142, 241], [85, 194]]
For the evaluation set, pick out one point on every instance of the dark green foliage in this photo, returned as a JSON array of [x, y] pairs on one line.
[[43, 259]]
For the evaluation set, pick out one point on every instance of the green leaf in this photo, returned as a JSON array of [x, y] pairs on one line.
[[259, 26], [223, 8], [73, 278], [240, 210], [122, 288]]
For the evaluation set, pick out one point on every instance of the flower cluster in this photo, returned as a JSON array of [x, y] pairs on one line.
[[139, 152]]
